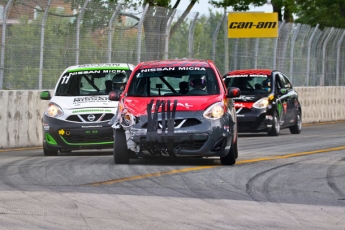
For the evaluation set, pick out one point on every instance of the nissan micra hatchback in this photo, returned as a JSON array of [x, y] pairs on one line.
[[268, 101], [175, 108], [79, 112]]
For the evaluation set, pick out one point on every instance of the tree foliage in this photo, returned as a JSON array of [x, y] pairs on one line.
[[237, 5], [285, 9], [323, 12]]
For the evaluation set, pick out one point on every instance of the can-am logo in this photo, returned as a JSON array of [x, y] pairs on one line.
[[249, 25], [253, 25]]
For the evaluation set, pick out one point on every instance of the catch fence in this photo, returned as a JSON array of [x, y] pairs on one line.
[[41, 38]]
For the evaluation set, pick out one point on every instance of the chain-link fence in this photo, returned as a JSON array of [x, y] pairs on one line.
[[40, 40]]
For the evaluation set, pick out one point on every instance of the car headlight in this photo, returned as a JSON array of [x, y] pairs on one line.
[[215, 111], [54, 110], [127, 119], [262, 103]]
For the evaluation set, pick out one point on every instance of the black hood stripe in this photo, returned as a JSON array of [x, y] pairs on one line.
[[168, 120]]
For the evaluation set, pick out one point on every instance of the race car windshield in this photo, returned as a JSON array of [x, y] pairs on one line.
[[174, 83], [96, 82], [254, 84]]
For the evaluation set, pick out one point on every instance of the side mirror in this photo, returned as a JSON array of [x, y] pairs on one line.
[[283, 91], [45, 95], [233, 92], [114, 95]]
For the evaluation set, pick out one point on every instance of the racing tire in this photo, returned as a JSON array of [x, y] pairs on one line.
[[230, 159], [297, 127], [121, 154], [275, 130], [48, 152]]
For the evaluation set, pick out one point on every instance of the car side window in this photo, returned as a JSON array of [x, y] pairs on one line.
[[286, 82], [279, 83], [222, 78]]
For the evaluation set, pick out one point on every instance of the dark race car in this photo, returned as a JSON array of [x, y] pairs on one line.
[[175, 108], [268, 102]]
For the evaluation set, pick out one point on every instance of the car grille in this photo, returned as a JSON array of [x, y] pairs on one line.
[[74, 139], [84, 117], [243, 110], [178, 123], [190, 145], [185, 145]]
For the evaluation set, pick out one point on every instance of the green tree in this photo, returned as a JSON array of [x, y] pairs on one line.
[[155, 22], [237, 5], [284, 8], [323, 12]]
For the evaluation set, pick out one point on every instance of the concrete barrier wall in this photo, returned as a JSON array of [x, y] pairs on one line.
[[20, 118], [320, 104], [22, 111]]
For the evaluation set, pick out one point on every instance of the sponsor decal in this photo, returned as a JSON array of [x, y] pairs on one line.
[[97, 71], [248, 105], [92, 111], [185, 105], [91, 132], [100, 65], [46, 126], [114, 71], [246, 75], [285, 107], [90, 99], [245, 98], [173, 69], [66, 78], [179, 131], [61, 132]]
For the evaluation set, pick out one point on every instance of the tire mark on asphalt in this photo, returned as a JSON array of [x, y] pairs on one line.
[[250, 184], [331, 176], [175, 171]]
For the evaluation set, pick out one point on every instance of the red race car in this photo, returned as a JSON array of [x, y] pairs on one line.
[[175, 108]]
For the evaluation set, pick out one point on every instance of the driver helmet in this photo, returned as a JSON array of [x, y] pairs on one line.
[[197, 81], [119, 81]]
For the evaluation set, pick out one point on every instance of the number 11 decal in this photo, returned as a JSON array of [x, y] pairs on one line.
[[65, 79]]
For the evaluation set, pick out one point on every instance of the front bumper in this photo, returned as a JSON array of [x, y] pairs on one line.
[[254, 120], [204, 138], [63, 135]]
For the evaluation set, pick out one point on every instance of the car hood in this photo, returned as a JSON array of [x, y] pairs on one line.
[[138, 105], [79, 102]]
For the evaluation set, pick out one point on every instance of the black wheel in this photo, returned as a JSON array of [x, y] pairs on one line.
[[297, 127], [275, 130], [230, 159], [121, 154], [48, 152]]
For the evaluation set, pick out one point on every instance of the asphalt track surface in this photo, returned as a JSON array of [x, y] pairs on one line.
[[285, 182]]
